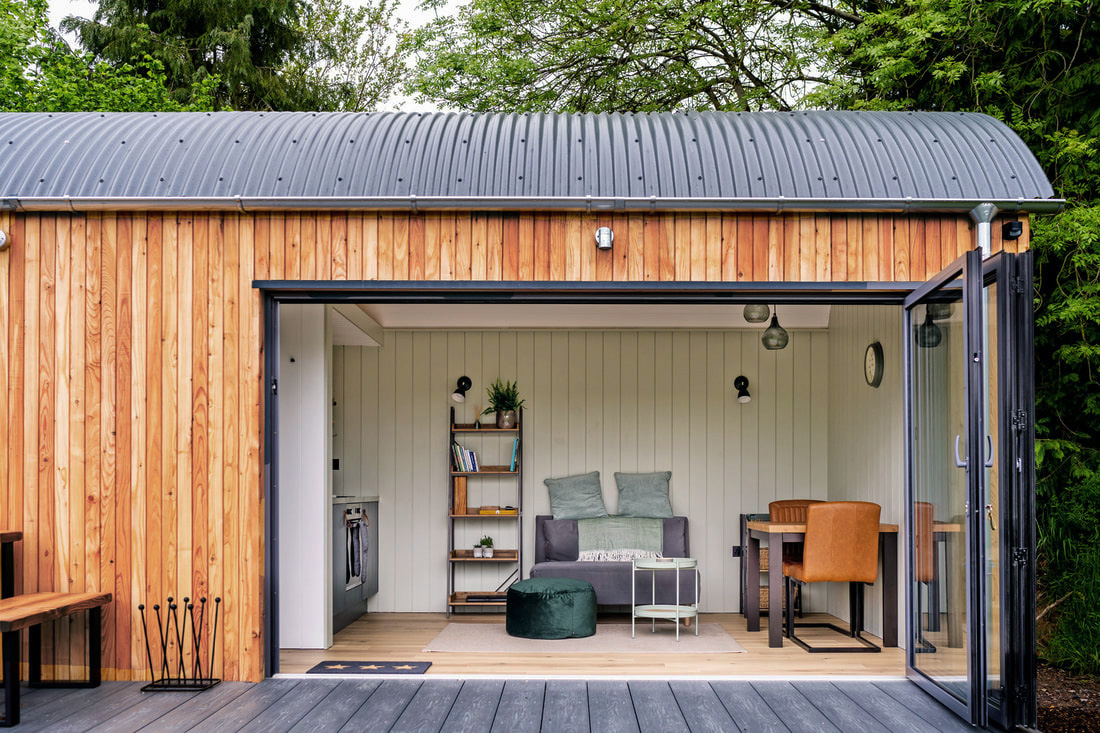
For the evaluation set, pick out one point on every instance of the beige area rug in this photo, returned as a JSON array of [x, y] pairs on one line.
[[610, 638]]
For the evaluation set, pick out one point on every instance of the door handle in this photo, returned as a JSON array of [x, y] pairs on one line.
[[988, 452], [989, 516], [959, 462]]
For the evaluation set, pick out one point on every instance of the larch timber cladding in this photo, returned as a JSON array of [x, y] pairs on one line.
[[131, 347]]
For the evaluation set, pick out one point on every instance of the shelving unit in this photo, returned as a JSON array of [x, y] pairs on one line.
[[461, 557]]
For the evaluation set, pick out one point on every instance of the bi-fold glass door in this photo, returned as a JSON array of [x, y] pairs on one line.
[[969, 444]]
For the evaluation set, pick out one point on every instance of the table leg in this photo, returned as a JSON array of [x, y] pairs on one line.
[[888, 542], [752, 584], [7, 569], [775, 590], [934, 588], [11, 678]]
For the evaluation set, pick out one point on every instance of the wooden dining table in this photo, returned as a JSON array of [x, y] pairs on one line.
[[8, 538], [778, 533]]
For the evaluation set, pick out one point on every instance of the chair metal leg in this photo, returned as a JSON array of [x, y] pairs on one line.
[[11, 679], [923, 646], [855, 613]]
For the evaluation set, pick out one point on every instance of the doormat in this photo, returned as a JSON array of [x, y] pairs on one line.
[[340, 667]]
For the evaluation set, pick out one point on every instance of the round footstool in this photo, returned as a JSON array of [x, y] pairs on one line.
[[551, 608]]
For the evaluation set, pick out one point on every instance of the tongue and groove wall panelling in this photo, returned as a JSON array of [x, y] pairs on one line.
[[132, 359]]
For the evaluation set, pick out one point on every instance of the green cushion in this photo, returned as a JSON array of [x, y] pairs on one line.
[[576, 497], [551, 608], [644, 494]]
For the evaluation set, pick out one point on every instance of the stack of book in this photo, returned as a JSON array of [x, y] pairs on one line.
[[465, 460]]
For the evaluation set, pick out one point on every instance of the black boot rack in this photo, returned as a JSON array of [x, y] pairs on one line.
[[174, 676]]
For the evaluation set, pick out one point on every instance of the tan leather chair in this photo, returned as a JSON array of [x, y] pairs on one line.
[[792, 511], [841, 547], [925, 563]]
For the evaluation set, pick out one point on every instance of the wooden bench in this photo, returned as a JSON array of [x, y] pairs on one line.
[[30, 611]]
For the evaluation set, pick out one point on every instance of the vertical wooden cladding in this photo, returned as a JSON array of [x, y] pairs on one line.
[[131, 354]]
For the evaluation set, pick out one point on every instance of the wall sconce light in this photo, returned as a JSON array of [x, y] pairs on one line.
[[459, 395], [4, 244], [604, 238], [741, 384], [1012, 229], [757, 312]]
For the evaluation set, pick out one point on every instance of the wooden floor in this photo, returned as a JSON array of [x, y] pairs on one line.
[[402, 636], [424, 704]]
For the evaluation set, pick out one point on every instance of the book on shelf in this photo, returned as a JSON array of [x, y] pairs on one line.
[[465, 460], [515, 450], [487, 509]]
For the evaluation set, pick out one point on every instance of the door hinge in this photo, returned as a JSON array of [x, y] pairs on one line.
[[1018, 285], [1019, 557], [274, 386], [1019, 421]]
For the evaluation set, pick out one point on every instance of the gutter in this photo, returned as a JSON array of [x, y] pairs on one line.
[[590, 204]]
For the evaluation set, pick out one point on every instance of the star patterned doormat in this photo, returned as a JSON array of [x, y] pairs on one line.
[[330, 667]]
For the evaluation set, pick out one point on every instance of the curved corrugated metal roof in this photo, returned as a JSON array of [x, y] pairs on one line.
[[763, 160]]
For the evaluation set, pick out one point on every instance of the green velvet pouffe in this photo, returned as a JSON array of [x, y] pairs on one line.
[[551, 608]]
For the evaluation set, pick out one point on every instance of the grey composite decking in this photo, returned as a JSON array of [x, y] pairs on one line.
[[426, 704]]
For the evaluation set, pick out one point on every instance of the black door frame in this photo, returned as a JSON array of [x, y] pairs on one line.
[[276, 292]]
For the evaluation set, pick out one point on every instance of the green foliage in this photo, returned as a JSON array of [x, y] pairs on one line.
[[350, 58], [39, 73], [622, 55], [486, 541], [503, 396]]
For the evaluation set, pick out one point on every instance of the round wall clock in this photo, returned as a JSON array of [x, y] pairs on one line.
[[873, 364]]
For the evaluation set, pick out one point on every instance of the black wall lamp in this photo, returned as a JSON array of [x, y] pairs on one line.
[[459, 395], [741, 384], [1012, 229]]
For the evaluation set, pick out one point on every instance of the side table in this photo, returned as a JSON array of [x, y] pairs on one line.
[[672, 611]]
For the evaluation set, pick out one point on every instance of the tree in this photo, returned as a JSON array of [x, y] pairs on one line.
[[242, 42], [626, 55], [350, 58], [40, 73]]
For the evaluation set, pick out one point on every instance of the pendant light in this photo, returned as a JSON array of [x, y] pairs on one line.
[[757, 313], [928, 334], [775, 336]]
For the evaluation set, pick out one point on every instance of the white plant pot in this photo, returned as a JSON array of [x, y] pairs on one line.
[[487, 551], [478, 551]]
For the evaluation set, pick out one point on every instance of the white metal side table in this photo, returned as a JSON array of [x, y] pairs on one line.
[[653, 610]]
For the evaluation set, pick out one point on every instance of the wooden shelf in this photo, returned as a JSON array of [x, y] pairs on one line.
[[469, 428], [498, 556], [459, 599], [502, 515], [487, 470]]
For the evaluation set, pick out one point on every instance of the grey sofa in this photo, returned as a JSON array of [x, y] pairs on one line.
[[556, 552]]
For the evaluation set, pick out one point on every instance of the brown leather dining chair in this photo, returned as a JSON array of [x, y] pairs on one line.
[[794, 512], [926, 570], [841, 546]]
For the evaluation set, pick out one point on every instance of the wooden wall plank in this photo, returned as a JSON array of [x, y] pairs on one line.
[[540, 268], [807, 248], [417, 254], [292, 249], [401, 246], [372, 256], [822, 232], [154, 379], [355, 245], [479, 255], [338, 268], [526, 271], [495, 237], [838, 238], [572, 246], [510, 262], [729, 248], [556, 266], [463, 248], [635, 250], [760, 239], [385, 247]]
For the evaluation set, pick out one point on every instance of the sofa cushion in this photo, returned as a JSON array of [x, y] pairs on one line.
[[557, 540], [644, 494], [560, 539], [576, 497]]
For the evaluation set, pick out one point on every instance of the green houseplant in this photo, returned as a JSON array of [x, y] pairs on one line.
[[486, 546], [504, 400]]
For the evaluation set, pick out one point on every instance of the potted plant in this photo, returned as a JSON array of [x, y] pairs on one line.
[[478, 551], [504, 400], [486, 546]]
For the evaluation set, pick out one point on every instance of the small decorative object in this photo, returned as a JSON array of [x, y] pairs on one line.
[[928, 334], [873, 364], [486, 546], [477, 417], [775, 336], [478, 552], [741, 384], [504, 400], [175, 639], [757, 312], [464, 384]]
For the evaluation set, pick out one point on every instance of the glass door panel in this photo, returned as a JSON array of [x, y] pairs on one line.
[[939, 421], [992, 407]]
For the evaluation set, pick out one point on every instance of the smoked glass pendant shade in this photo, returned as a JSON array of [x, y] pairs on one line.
[[928, 334], [775, 336], [757, 313]]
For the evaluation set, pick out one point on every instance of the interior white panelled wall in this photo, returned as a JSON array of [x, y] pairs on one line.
[[596, 400], [866, 432]]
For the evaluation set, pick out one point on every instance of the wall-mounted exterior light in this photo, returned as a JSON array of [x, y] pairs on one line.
[[1012, 229], [4, 244], [741, 384], [604, 238]]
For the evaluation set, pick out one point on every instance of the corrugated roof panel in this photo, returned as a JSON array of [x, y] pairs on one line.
[[515, 159]]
